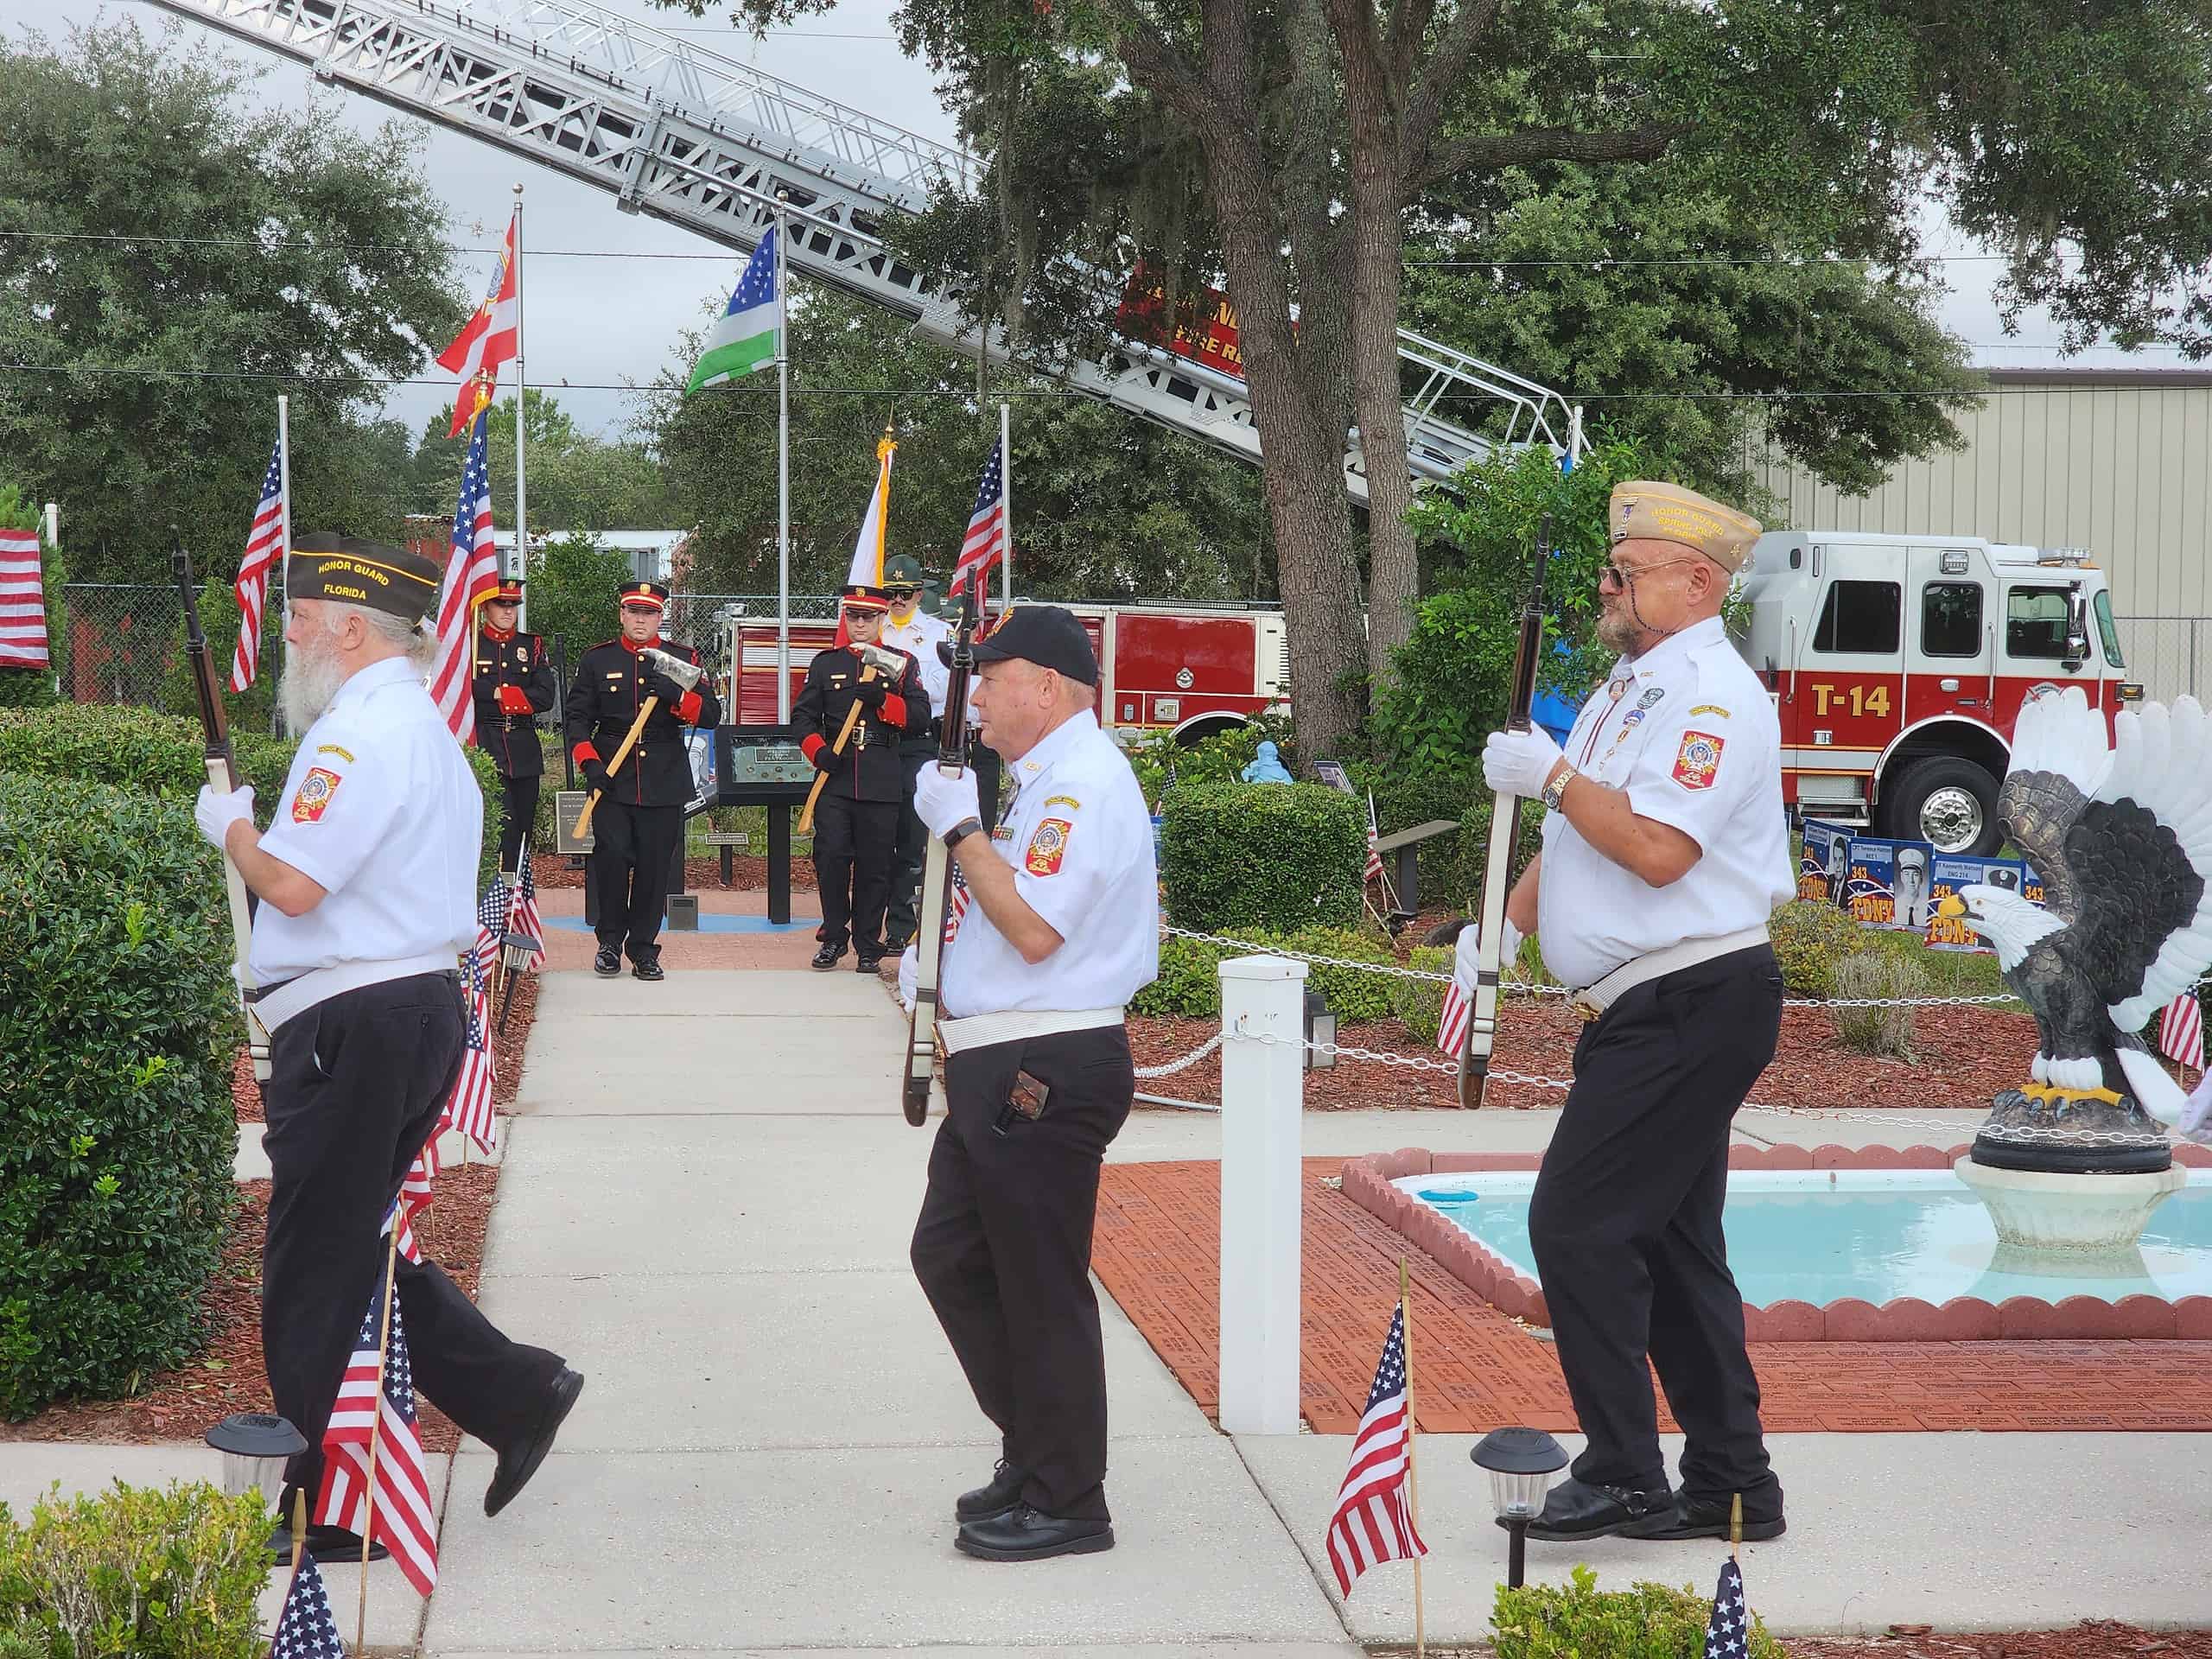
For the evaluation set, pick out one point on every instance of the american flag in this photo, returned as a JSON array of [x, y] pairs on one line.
[[305, 1629], [1727, 1632], [470, 1109], [402, 1216], [1374, 872], [986, 542], [1372, 1523], [1451, 1025], [2181, 1030], [489, 339], [471, 573], [525, 921], [403, 1520], [265, 545], [957, 906], [23, 602]]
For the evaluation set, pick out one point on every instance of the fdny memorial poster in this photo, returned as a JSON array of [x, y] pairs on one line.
[[1887, 882], [1821, 863], [1947, 875]]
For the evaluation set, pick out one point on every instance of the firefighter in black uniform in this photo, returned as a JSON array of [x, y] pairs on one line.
[[639, 823], [514, 686], [856, 819]]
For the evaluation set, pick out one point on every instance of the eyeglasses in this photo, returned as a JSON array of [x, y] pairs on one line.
[[1614, 577], [900, 592]]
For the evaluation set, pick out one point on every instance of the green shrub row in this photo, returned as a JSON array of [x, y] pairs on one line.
[[1277, 856], [1189, 987], [1580, 1621]]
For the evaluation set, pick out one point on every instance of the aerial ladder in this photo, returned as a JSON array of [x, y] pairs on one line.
[[702, 140]]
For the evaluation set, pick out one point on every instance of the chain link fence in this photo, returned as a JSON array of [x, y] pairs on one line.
[[2167, 654]]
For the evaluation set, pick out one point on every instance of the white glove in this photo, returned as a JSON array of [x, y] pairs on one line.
[[1464, 964], [1518, 763], [910, 967], [215, 811], [941, 802]]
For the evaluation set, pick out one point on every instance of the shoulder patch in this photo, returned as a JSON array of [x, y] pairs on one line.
[[1048, 844], [1068, 801], [315, 793], [1709, 708], [1698, 761], [345, 754]]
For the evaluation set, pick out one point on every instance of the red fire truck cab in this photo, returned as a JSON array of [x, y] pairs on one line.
[[1187, 669], [1899, 663]]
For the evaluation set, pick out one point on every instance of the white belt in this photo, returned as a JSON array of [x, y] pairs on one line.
[[290, 998], [1592, 1001], [985, 1030]]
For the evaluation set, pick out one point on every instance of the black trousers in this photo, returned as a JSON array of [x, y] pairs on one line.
[[909, 856], [854, 844], [1625, 1224], [630, 849], [1002, 1249], [355, 1086], [518, 812]]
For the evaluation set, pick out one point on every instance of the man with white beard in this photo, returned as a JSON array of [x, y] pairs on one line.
[[366, 882]]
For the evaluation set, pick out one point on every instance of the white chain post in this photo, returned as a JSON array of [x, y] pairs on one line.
[[1262, 1095]]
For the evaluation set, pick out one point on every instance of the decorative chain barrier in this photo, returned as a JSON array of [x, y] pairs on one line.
[[1185, 1064]]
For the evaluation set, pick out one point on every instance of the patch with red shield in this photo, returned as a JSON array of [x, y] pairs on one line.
[[1698, 761], [314, 794], [1048, 844]]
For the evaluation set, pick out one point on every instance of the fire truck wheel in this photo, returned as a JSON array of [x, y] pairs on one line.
[[1946, 800]]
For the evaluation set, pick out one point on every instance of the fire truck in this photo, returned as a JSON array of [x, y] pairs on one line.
[[1899, 663], [1188, 669]]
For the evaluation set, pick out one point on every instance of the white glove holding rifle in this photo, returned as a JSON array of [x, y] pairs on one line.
[[1464, 960], [216, 811], [1520, 763]]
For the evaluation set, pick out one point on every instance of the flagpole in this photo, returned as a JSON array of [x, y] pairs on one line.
[[783, 499], [1412, 1473], [376, 1434], [284, 546], [522, 422], [1006, 506]]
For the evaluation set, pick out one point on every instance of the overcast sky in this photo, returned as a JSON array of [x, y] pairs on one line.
[[602, 320]]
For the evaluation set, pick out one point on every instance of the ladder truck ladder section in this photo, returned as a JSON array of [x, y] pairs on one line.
[[706, 142]]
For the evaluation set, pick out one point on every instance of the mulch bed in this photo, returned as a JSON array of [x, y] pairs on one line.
[[1964, 1056], [700, 874], [2100, 1638]]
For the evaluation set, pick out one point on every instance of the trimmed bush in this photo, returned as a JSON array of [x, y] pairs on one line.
[[1580, 1621], [1876, 974], [1418, 1003], [1276, 856], [1811, 938], [119, 1025], [1400, 802], [1189, 986], [172, 1572]]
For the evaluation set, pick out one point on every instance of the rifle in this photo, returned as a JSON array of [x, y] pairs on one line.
[[222, 774], [936, 886], [1505, 830]]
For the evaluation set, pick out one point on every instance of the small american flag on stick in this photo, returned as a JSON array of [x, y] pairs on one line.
[[470, 1109], [1373, 845], [2181, 1030], [306, 1628], [1372, 1522], [375, 1411], [1727, 1629]]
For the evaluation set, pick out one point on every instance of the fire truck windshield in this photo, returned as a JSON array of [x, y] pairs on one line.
[[2107, 631]]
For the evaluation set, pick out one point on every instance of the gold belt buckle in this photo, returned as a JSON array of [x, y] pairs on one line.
[[1589, 1011]]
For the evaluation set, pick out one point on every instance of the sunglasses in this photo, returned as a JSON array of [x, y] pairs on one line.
[[1614, 577], [900, 592]]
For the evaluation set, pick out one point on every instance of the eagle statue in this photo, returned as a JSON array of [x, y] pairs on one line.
[[2121, 836]]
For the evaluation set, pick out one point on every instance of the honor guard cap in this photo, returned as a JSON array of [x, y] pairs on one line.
[[1666, 512], [1043, 635], [645, 595], [508, 592], [858, 596], [349, 570]]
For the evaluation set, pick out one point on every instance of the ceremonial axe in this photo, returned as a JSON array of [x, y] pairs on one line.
[[686, 675]]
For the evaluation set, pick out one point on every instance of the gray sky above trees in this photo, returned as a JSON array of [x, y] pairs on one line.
[[600, 322]]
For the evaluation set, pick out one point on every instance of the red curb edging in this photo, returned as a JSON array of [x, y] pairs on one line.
[[1368, 1182]]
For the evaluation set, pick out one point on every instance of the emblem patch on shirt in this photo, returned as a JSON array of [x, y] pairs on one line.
[[1068, 801], [1650, 699], [344, 755], [1048, 844], [1698, 760], [1709, 708], [314, 794]]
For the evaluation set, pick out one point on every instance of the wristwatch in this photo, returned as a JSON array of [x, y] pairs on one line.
[[1555, 786], [962, 831]]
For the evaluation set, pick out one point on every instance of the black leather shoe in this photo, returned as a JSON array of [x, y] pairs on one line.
[[1026, 1535], [1574, 1511], [649, 971], [827, 957], [329, 1546], [867, 963], [1003, 1493], [1707, 1518], [519, 1462], [608, 963]]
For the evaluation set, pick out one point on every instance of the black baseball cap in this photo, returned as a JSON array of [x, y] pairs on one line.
[[1043, 635]]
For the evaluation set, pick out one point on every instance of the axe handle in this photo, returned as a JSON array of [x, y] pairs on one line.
[[621, 753], [844, 734]]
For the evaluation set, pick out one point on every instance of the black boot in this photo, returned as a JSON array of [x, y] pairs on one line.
[[1026, 1535], [648, 968], [1001, 1494], [1575, 1511], [608, 963], [827, 957]]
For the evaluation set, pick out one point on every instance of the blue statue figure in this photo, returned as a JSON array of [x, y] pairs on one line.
[[1265, 768]]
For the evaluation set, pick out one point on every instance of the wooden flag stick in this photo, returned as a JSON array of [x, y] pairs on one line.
[[1412, 1472], [1735, 1525], [376, 1434], [299, 1526]]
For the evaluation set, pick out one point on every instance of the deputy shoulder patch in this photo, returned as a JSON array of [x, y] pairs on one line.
[[1709, 708], [1048, 844], [344, 755], [314, 794], [1698, 761]]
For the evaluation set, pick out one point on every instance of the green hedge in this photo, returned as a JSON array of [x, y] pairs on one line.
[[173, 1573], [1474, 847], [118, 1023], [1418, 1003], [1580, 1621], [1811, 939], [144, 750], [1276, 856], [1190, 988]]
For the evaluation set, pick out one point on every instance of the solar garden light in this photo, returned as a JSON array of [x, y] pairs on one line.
[[255, 1447], [1521, 1462], [1321, 1029]]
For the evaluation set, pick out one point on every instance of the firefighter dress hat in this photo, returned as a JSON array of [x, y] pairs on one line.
[[509, 592], [861, 596], [645, 595]]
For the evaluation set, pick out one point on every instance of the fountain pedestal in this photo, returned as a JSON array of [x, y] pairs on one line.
[[2050, 1214]]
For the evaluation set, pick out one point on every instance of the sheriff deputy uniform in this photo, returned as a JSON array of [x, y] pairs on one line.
[[917, 635], [514, 686], [1683, 1001], [638, 825], [1038, 1081], [856, 816], [363, 1005]]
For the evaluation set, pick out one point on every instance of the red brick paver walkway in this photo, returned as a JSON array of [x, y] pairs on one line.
[[1158, 1253]]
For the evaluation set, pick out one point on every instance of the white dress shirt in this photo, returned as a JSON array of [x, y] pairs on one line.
[[381, 809], [917, 637], [1689, 732], [1079, 841]]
